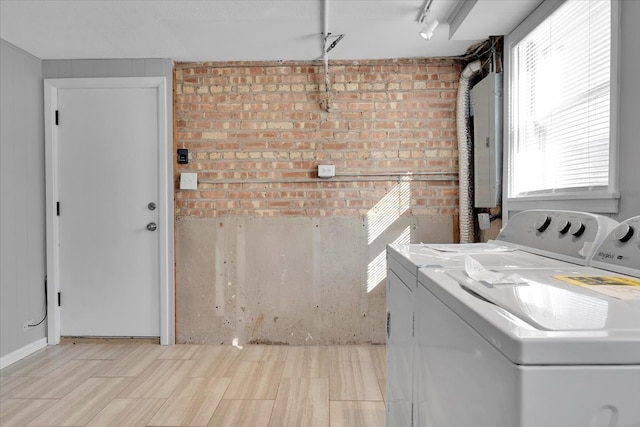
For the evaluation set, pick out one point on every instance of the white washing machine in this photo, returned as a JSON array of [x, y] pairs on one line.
[[521, 245], [560, 348]]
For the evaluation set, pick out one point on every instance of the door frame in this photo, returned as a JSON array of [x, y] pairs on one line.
[[165, 197]]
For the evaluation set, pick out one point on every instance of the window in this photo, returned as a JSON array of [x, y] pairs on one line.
[[561, 125]]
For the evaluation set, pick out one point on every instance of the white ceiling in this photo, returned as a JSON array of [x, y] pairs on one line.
[[250, 30]]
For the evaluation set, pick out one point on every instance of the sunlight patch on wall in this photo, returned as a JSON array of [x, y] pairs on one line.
[[389, 208], [377, 269]]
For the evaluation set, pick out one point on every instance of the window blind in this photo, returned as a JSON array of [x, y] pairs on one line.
[[561, 101]]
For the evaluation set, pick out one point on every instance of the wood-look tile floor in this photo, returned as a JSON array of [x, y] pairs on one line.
[[142, 384]]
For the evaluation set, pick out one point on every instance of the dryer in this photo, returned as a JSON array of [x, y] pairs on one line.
[[561, 348]]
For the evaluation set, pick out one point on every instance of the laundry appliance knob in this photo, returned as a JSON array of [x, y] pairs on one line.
[[542, 223], [577, 228], [563, 226], [623, 233]]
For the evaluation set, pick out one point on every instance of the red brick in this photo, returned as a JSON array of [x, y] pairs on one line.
[[386, 116]]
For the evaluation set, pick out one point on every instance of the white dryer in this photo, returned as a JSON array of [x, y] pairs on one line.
[[561, 348], [525, 243]]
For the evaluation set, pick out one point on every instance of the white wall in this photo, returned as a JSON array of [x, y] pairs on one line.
[[629, 155], [22, 198], [79, 68]]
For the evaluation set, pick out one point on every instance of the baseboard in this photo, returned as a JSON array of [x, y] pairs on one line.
[[107, 340], [23, 352]]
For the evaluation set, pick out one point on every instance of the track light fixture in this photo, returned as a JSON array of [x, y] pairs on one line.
[[427, 31], [429, 23], [337, 37]]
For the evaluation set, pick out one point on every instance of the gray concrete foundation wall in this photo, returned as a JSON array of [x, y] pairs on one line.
[[288, 280]]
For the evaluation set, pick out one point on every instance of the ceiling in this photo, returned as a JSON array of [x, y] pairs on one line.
[[251, 30]]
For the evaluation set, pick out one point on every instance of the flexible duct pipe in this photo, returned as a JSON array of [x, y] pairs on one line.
[[464, 152]]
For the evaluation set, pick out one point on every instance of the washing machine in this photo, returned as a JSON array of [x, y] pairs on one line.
[[559, 347], [526, 242]]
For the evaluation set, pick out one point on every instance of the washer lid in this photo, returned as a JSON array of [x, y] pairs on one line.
[[548, 318], [492, 255]]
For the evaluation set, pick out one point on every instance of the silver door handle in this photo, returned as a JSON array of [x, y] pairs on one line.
[[152, 226]]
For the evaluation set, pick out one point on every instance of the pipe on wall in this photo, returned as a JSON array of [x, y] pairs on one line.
[[325, 57], [465, 174]]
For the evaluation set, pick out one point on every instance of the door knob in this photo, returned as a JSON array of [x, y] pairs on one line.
[[152, 226]]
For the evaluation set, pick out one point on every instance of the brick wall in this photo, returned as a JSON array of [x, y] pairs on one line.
[[266, 252], [257, 131]]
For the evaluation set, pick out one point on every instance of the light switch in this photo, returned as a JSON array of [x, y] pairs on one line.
[[183, 156], [188, 181]]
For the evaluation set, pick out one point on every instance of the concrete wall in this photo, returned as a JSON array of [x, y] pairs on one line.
[[22, 198], [288, 280]]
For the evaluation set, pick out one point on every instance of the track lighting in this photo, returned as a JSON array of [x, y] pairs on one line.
[[427, 31], [335, 42], [430, 24]]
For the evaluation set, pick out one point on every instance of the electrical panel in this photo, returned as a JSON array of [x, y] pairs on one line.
[[486, 103]]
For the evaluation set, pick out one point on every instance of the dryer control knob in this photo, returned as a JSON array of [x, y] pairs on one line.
[[563, 226], [577, 228], [542, 223], [623, 232]]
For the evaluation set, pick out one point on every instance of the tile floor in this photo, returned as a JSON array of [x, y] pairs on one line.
[[142, 384]]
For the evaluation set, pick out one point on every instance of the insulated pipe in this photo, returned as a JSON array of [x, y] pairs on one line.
[[464, 152]]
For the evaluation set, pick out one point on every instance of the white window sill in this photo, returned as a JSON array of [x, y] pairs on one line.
[[601, 203]]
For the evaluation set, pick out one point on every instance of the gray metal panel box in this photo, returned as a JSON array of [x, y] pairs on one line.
[[486, 101]]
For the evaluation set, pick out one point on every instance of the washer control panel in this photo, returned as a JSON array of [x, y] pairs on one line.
[[620, 251], [565, 235]]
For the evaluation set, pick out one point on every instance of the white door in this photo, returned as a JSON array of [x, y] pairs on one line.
[[108, 194]]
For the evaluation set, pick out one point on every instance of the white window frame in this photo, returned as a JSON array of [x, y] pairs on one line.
[[605, 201]]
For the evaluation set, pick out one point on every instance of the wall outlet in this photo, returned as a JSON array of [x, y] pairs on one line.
[[484, 221], [188, 181], [326, 171], [25, 325]]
